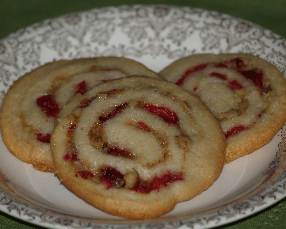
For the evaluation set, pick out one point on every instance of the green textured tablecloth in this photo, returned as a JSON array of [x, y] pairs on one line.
[[15, 14]]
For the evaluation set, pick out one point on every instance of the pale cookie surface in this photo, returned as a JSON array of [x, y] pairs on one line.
[[246, 93], [135, 147], [30, 106]]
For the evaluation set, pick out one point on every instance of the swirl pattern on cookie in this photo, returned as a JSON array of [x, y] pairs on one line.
[[135, 147], [246, 93], [32, 103]]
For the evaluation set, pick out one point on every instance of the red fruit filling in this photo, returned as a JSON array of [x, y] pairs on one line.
[[254, 76], [48, 105], [158, 182], [144, 126], [234, 130], [189, 71], [234, 85], [113, 113], [238, 63], [111, 177], [71, 156], [81, 87], [166, 114], [45, 138], [118, 152], [71, 128], [84, 174]]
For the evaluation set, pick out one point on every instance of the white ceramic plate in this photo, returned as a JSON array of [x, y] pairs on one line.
[[156, 36]]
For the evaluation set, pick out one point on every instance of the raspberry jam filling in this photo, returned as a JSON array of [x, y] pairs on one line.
[[234, 85], [166, 114], [48, 105], [71, 156], [111, 177], [115, 151], [235, 63], [254, 75], [189, 71], [144, 126], [113, 113], [81, 88], [234, 130], [45, 138], [158, 182], [84, 174], [72, 128]]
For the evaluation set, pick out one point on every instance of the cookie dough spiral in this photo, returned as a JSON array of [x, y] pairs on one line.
[[140, 139], [245, 93], [32, 103]]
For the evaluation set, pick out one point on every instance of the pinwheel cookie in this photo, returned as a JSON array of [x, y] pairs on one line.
[[32, 102], [246, 93], [136, 146]]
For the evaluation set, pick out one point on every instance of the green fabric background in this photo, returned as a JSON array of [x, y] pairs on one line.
[[15, 14]]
